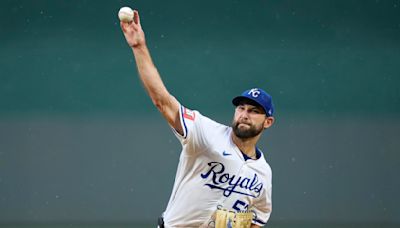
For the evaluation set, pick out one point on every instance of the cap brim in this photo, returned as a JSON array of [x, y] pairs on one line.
[[236, 101]]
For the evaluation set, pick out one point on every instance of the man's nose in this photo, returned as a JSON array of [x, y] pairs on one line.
[[244, 114]]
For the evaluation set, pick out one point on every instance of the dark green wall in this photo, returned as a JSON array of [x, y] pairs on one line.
[[314, 56], [80, 139]]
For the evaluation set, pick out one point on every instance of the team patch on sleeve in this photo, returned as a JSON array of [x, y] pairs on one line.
[[188, 114]]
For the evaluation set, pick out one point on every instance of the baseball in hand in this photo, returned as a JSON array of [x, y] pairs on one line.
[[125, 14]]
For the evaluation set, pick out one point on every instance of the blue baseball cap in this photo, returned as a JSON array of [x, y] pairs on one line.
[[259, 96]]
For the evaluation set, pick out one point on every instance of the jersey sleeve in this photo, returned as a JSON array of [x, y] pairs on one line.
[[197, 130]]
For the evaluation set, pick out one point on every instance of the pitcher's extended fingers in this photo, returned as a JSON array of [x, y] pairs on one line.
[[136, 18], [123, 26]]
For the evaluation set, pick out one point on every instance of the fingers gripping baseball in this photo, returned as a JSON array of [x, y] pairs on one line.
[[133, 31]]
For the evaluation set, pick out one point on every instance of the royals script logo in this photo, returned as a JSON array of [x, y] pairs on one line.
[[229, 183]]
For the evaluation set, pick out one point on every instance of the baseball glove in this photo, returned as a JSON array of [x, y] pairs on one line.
[[231, 219]]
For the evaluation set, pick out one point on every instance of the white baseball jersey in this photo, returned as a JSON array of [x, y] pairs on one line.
[[213, 172]]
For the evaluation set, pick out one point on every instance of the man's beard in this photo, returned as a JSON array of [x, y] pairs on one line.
[[251, 132]]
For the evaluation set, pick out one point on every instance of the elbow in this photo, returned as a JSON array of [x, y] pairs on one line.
[[162, 101], [159, 103], [158, 95]]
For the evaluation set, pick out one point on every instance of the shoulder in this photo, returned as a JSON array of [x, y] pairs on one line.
[[197, 117], [200, 128]]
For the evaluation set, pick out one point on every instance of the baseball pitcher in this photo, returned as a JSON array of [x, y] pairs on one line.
[[222, 179]]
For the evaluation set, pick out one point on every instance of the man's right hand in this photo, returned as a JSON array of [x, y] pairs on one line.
[[133, 31]]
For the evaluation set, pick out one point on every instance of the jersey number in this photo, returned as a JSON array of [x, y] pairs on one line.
[[240, 206]]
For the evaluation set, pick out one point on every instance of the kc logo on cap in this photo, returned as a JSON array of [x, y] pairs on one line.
[[254, 92]]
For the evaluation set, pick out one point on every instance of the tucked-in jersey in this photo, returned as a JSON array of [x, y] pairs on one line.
[[213, 173]]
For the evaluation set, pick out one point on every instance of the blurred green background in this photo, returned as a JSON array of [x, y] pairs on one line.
[[81, 144]]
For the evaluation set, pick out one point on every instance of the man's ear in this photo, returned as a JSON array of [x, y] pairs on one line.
[[269, 121]]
